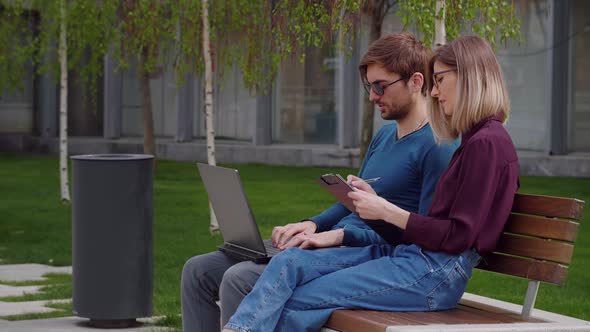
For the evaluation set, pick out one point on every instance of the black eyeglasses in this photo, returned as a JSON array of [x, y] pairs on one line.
[[378, 88], [435, 74]]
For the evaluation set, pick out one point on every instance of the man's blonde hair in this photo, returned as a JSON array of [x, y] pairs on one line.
[[481, 90]]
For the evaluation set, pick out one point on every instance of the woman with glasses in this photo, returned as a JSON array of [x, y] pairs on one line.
[[471, 203]]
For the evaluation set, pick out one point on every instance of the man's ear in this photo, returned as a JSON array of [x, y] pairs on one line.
[[416, 82]]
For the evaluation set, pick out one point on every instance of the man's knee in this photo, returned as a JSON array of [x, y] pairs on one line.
[[240, 278], [192, 271], [203, 271]]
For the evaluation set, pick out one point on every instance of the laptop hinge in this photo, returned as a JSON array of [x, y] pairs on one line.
[[246, 249]]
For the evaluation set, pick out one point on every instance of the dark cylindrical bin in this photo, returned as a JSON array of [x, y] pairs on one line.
[[112, 243]]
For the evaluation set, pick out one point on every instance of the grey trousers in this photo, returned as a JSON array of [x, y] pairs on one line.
[[214, 277]]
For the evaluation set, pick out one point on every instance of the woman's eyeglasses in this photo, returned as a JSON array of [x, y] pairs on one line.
[[435, 81], [378, 88]]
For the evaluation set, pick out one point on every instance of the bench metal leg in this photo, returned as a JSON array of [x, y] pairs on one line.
[[529, 299]]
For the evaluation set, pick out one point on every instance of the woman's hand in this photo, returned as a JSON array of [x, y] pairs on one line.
[[360, 184], [370, 206], [326, 239]]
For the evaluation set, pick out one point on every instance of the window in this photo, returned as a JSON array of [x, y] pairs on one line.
[[580, 57], [304, 110]]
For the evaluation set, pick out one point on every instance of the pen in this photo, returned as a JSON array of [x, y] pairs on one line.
[[371, 180]]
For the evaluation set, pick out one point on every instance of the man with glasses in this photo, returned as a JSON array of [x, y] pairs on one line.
[[402, 154]]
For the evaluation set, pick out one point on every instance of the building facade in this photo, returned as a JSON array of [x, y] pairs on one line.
[[311, 115]]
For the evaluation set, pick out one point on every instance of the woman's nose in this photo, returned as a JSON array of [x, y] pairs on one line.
[[434, 91]]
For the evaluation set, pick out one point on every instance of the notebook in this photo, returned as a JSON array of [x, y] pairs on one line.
[[240, 232]]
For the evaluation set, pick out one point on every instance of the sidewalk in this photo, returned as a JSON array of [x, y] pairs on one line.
[[31, 272]]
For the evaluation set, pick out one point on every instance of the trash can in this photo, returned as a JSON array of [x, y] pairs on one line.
[[112, 242]]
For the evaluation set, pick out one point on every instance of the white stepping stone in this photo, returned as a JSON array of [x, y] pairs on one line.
[[30, 307], [29, 272], [6, 290]]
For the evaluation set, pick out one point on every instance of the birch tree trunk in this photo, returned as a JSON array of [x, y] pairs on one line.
[[440, 34], [63, 108], [210, 129]]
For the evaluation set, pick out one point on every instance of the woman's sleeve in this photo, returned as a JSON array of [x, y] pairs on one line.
[[474, 191]]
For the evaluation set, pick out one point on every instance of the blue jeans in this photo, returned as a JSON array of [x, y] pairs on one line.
[[300, 289]]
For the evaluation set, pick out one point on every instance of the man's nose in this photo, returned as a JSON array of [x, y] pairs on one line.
[[373, 97]]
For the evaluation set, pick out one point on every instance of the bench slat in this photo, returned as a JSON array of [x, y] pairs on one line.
[[386, 319], [454, 316], [549, 228], [378, 321], [559, 207], [555, 251], [525, 268], [358, 320]]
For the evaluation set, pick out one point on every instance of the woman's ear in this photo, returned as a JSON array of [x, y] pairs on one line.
[[416, 82]]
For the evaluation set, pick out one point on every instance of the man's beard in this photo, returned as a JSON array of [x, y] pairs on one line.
[[397, 112]]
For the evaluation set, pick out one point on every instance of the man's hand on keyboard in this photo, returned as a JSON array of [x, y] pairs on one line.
[[283, 237]]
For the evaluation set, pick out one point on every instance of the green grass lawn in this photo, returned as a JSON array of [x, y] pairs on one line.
[[35, 226]]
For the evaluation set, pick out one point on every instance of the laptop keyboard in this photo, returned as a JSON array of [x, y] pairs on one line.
[[270, 249]]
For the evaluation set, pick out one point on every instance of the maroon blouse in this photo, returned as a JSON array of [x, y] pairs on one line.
[[473, 197]]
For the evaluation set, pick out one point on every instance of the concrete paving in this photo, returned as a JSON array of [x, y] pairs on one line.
[[33, 272], [69, 324]]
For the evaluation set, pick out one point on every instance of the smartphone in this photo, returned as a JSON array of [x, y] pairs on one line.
[[338, 187]]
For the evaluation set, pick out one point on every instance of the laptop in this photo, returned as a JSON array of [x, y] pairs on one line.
[[240, 232]]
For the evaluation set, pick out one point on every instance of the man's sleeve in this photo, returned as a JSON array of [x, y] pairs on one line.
[[435, 162], [359, 236], [330, 217]]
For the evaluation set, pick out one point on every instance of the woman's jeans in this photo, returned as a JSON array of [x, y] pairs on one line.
[[300, 289]]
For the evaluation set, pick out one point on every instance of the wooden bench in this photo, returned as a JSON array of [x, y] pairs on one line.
[[537, 244]]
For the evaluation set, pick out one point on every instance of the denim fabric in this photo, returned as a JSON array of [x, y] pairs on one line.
[[301, 288]]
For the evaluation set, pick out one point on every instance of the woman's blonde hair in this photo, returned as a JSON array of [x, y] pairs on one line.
[[481, 90]]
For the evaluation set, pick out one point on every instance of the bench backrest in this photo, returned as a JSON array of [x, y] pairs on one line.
[[537, 242]]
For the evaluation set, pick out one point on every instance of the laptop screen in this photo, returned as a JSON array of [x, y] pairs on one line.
[[227, 196]]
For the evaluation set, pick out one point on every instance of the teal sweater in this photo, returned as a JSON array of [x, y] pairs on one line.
[[409, 169]]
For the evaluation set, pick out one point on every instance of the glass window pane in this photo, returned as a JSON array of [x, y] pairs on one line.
[[305, 109], [16, 107], [526, 70], [163, 94], [580, 119], [235, 108]]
